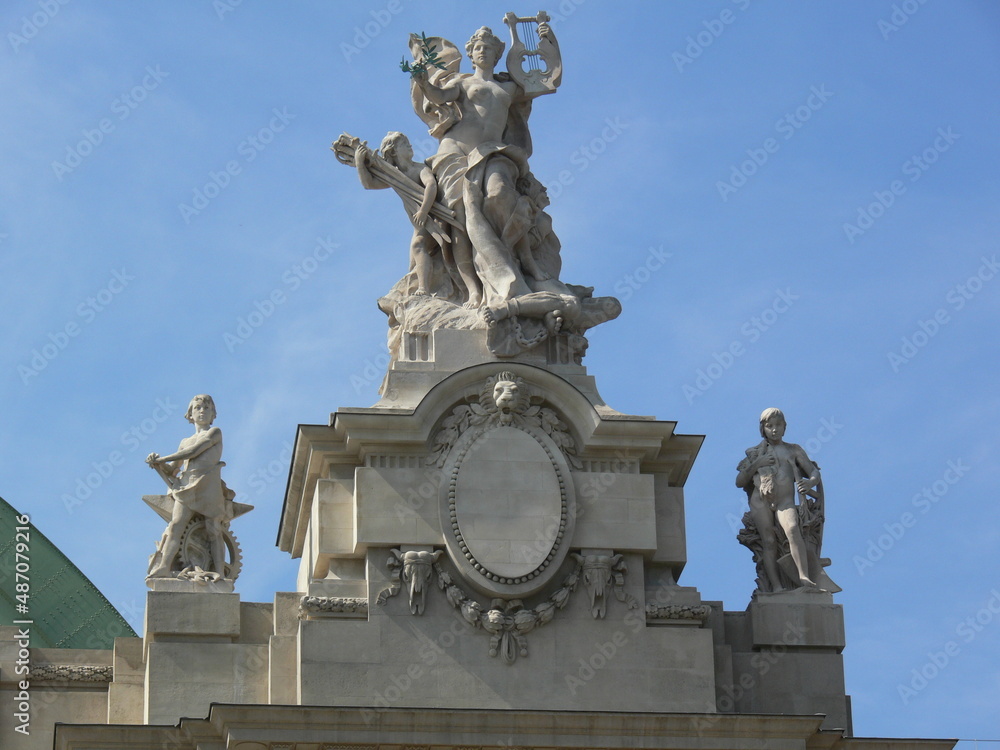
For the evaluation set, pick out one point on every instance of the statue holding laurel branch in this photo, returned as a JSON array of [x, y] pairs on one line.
[[483, 253]]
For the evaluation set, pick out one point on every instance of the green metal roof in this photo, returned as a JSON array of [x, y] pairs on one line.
[[66, 609]]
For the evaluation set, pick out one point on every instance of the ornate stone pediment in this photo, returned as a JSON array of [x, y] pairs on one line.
[[508, 622]]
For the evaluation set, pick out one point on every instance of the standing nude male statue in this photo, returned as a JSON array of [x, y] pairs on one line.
[[771, 473]]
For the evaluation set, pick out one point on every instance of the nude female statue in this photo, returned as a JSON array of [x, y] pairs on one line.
[[499, 265], [483, 152]]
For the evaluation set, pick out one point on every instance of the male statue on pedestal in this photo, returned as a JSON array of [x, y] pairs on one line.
[[771, 473], [198, 507]]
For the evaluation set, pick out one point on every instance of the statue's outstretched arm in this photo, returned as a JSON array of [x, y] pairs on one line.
[[437, 94], [378, 174], [354, 152], [541, 78], [362, 158]]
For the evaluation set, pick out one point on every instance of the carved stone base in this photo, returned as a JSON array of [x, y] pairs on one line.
[[804, 618], [787, 648], [547, 506], [222, 586], [313, 607], [426, 359], [514, 327], [802, 595]]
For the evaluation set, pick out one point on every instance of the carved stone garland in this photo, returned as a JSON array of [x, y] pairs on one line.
[[311, 605], [508, 622], [71, 673], [696, 612]]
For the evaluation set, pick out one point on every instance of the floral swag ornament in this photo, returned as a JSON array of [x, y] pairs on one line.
[[509, 621]]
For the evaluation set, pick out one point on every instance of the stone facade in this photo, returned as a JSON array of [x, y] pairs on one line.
[[490, 555], [426, 613]]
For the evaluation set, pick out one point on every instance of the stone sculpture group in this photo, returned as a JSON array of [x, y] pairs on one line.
[[483, 253], [483, 256]]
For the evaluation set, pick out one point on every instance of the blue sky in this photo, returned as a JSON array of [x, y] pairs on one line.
[[795, 202]]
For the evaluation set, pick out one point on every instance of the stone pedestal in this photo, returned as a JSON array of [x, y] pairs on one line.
[[200, 649], [177, 585], [498, 538], [804, 619], [785, 652], [427, 359]]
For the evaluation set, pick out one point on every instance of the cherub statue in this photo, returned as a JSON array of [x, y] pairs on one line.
[[428, 234]]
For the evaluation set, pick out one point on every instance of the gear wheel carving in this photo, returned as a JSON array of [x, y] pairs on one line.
[[195, 550]]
